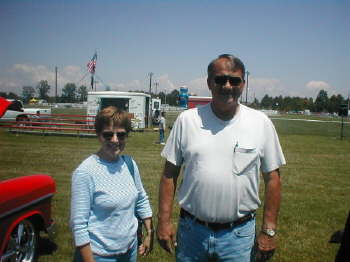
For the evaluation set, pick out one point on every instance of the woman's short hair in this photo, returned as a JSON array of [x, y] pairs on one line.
[[112, 116]]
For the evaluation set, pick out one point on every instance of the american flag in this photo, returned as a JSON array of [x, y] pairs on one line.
[[92, 64]]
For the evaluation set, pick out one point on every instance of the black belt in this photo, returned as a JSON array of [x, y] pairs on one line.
[[218, 226]]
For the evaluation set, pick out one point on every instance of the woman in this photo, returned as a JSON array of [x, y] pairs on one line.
[[107, 195]]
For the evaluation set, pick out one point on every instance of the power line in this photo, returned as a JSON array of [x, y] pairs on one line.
[[82, 78]]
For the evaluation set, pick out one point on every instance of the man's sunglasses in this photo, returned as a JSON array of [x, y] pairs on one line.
[[222, 80], [108, 135]]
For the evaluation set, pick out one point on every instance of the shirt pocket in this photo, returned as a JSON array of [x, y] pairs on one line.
[[245, 159]]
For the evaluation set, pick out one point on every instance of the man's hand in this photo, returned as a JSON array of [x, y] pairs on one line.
[[267, 244], [166, 236], [266, 247], [165, 230]]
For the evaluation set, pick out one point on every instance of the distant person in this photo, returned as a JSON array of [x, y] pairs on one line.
[[162, 128], [107, 195], [223, 146]]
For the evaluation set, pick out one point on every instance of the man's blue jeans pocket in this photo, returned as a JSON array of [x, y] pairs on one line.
[[196, 242]]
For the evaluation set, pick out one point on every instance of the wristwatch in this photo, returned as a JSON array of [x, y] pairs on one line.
[[268, 231]]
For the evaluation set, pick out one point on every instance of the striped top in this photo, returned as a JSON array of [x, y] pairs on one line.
[[105, 199]]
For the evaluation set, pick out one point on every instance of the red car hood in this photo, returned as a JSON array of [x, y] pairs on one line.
[[23, 191]]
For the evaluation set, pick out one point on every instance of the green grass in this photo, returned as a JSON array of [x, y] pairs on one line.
[[316, 182]]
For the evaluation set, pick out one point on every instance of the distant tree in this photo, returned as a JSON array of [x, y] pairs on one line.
[[82, 93], [161, 95], [43, 89], [28, 92], [173, 98], [310, 104], [299, 104], [69, 93], [266, 102], [321, 101], [287, 104], [107, 88], [334, 103], [3, 94], [277, 103], [52, 99], [255, 104]]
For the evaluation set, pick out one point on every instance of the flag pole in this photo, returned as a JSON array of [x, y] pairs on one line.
[[91, 68]]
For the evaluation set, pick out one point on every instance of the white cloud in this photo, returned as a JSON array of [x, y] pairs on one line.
[[318, 85], [258, 87], [199, 87], [20, 75], [132, 85], [33, 73], [314, 87], [165, 84]]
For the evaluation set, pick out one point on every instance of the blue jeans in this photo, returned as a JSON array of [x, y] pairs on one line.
[[161, 135], [198, 243], [129, 256]]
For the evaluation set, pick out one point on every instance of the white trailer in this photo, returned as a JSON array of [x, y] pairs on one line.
[[137, 104]]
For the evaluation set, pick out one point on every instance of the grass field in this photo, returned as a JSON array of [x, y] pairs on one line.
[[316, 183]]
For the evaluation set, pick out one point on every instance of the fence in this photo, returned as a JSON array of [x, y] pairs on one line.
[[317, 127], [81, 125], [53, 124]]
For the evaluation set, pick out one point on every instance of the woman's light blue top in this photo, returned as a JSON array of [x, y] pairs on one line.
[[105, 200]]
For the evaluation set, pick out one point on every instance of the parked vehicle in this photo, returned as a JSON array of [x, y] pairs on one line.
[[194, 101], [28, 114], [25, 210]]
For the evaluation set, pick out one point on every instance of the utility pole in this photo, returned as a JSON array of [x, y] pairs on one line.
[[150, 100], [246, 92], [95, 82], [150, 83], [156, 84], [165, 96], [56, 84]]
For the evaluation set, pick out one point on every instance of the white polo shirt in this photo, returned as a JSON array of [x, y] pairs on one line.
[[222, 161]]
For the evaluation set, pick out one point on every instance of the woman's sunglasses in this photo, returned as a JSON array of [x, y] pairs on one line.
[[222, 80], [108, 135]]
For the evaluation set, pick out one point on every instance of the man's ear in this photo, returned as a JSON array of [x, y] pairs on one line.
[[208, 83]]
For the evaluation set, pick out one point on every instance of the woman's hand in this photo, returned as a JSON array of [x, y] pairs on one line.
[[147, 244]]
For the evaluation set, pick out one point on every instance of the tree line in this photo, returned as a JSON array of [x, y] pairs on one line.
[[70, 93], [322, 103], [73, 94]]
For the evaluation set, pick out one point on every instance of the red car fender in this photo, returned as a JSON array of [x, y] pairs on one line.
[[21, 198], [14, 224]]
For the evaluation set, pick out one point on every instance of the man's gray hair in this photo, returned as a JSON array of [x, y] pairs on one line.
[[236, 63]]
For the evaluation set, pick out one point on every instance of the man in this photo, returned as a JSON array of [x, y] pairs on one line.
[[223, 146], [162, 122]]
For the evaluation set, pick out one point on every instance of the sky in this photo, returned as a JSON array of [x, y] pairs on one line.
[[290, 48]]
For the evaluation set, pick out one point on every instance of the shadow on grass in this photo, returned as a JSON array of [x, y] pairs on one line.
[[46, 247]]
